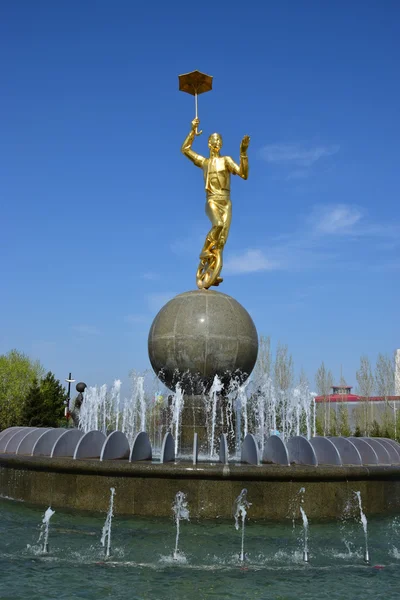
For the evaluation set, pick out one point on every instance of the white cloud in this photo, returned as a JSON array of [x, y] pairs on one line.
[[86, 329], [156, 301], [296, 154], [310, 246], [335, 219], [249, 262]]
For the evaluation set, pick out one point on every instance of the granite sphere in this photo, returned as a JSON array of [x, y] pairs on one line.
[[200, 334]]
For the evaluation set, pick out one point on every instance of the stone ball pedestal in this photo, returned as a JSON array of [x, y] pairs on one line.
[[195, 336]]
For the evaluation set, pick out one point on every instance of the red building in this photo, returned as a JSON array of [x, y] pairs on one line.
[[342, 393], [360, 410]]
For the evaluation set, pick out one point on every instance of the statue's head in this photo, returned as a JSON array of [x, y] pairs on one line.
[[215, 142]]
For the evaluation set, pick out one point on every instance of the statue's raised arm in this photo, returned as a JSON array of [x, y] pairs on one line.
[[241, 169], [187, 146]]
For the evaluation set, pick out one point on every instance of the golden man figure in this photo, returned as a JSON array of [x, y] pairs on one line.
[[217, 178]]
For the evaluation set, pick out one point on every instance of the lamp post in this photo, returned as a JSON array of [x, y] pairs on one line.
[[69, 381]]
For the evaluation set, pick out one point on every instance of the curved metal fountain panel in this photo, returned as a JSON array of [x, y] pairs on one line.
[[301, 452], [116, 446], [250, 452], [275, 451], [65, 445], [13, 442], [325, 451], [368, 454], [349, 453], [298, 450], [44, 444], [393, 444], [167, 449], [90, 445], [7, 435], [141, 448], [393, 452], [2, 433], [381, 452], [29, 440]]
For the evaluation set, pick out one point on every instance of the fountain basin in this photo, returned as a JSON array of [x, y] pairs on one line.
[[146, 489]]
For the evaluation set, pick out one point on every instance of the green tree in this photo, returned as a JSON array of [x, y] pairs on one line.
[[388, 423], [333, 423], [384, 376], [375, 429], [343, 423], [324, 382], [17, 374], [319, 426], [44, 406], [366, 386], [32, 407]]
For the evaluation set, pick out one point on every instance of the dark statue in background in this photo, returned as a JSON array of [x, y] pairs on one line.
[[75, 409]]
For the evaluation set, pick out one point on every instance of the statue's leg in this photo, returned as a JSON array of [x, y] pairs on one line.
[[214, 214], [211, 240], [218, 210], [75, 417], [226, 219], [223, 211]]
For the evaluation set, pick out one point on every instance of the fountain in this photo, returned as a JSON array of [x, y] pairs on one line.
[[44, 530], [241, 504], [305, 526], [137, 562], [363, 520], [181, 513], [205, 421], [42, 465], [106, 531], [216, 388], [176, 410]]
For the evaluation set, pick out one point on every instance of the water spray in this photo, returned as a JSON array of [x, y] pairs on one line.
[[106, 532], [242, 504]]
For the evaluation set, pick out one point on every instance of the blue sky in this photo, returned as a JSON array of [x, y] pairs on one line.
[[102, 217]]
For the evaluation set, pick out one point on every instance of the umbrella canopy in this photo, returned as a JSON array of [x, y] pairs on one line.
[[195, 83]]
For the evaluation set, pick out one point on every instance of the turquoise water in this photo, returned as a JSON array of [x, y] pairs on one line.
[[141, 564]]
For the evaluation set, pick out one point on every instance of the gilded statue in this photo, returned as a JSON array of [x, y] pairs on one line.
[[217, 172]]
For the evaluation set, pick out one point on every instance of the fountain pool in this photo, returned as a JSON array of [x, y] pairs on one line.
[[141, 560]]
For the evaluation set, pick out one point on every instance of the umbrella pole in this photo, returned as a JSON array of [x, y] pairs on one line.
[[195, 104]]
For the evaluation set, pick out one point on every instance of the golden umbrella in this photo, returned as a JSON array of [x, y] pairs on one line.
[[195, 83]]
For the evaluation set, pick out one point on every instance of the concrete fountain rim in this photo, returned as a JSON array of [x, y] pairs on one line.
[[206, 470]]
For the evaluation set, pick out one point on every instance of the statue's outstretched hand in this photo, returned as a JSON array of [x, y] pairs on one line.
[[195, 124], [244, 144]]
